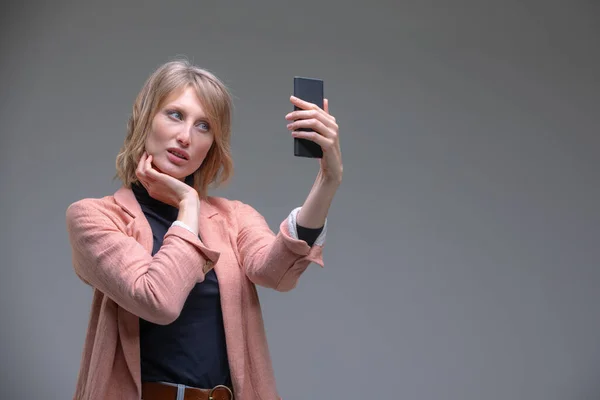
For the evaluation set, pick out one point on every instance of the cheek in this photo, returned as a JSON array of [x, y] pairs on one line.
[[155, 137], [207, 146], [202, 149], [149, 144]]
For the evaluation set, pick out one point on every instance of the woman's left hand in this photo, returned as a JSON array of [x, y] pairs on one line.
[[324, 132]]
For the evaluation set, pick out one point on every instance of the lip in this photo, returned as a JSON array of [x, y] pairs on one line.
[[179, 151]]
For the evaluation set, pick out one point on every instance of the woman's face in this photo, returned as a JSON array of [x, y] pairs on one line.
[[180, 135]]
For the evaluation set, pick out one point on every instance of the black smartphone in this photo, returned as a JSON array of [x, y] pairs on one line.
[[311, 90]]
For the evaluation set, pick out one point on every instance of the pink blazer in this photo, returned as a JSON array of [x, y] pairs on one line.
[[111, 242]]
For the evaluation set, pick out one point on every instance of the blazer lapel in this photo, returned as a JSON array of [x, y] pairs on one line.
[[139, 228], [128, 323]]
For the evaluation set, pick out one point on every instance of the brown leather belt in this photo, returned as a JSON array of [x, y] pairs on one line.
[[160, 391]]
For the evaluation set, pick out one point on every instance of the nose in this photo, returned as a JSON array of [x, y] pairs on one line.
[[183, 136]]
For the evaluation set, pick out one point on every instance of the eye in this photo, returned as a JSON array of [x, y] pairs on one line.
[[203, 126], [175, 114]]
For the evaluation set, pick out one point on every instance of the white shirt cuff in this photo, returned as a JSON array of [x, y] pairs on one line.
[[294, 232], [182, 225]]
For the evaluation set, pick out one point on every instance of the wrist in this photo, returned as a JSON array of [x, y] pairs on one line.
[[327, 185], [189, 210], [191, 200]]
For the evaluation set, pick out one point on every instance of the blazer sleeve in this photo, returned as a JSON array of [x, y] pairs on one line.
[[273, 260], [153, 288]]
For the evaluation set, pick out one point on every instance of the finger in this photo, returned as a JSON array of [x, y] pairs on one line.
[[142, 159], [326, 105], [149, 169], [139, 171], [144, 181], [313, 136], [305, 105], [152, 174], [145, 170], [315, 125], [141, 175], [148, 164], [327, 119]]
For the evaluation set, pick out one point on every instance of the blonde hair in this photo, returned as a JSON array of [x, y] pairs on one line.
[[217, 167]]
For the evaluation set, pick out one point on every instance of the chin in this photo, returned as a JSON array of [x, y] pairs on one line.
[[171, 170]]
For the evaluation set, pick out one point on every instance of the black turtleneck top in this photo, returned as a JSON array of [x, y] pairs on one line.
[[192, 349]]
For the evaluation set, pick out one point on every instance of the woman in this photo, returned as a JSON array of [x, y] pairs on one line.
[[175, 312]]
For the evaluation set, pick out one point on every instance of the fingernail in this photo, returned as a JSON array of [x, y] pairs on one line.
[[289, 125], [287, 116]]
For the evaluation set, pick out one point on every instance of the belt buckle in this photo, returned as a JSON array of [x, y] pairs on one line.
[[210, 397]]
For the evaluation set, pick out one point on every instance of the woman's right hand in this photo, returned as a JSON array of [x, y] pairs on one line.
[[163, 187]]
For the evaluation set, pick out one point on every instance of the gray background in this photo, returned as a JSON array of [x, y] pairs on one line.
[[463, 251]]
